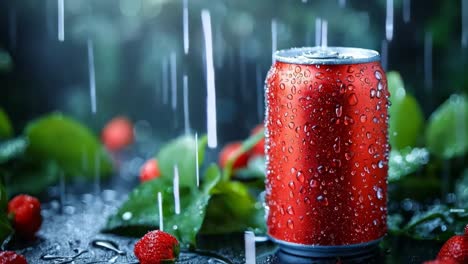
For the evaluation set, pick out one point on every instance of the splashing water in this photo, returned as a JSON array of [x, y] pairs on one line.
[[160, 209], [92, 77], [197, 169], [173, 62], [210, 80], [384, 54], [324, 32], [186, 104], [274, 39], [165, 80], [464, 10], [318, 32], [389, 21], [406, 11], [176, 190], [249, 239], [185, 22], [61, 18]]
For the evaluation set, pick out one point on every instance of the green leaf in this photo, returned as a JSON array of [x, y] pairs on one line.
[[73, 146], [5, 226], [30, 178], [140, 212], [405, 162], [394, 222], [181, 152], [233, 209], [6, 129], [246, 146], [255, 169], [406, 117], [447, 131], [439, 222], [12, 148]]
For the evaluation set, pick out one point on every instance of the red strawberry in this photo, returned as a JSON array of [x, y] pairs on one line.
[[441, 261], [231, 150], [10, 257], [455, 248], [26, 213], [149, 170], [117, 134], [157, 247], [259, 148]]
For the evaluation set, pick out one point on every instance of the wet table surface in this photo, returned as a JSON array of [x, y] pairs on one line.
[[68, 232]]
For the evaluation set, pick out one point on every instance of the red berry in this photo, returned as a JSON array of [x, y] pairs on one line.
[[231, 150], [26, 212], [259, 148], [455, 248], [10, 257], [157, 247], [117, 134], [149, 170]]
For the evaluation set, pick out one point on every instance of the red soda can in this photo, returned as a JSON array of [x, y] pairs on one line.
[[327, 151]]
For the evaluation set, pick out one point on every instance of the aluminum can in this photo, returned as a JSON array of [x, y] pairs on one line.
[[326, 150]]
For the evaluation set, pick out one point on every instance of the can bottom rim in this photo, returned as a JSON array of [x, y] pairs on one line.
[[317, 251]]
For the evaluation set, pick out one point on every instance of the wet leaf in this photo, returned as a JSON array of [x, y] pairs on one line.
[[406, 117], [30, 178], [73, 146], [6, 129], [140, 212], [405, 162], [438, 222], [255, 169], [447, 131], [181, 152], [247, 145], [233, 209], [12, 148]]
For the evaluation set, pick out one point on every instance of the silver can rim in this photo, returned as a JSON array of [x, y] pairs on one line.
[[331, 55]]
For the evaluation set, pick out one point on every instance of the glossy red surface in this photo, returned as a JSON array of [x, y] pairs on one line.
[[327, 153]]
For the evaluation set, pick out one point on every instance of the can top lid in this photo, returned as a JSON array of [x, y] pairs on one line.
[[326, 55]]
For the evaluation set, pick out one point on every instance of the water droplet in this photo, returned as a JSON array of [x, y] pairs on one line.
[[379, 193], [307, 200], [378, 75], [279, 123], [290, 223], [368, 135], [348, 155], [291, 125], [319, 75], [290, 149], [371, 149], [313, 183], [380, 164], [298, 69], [321, 169], [300, 176], [293, 90], [290, 210], [372, 93], [127, 216], [282, 86], [363, 118], [291, 185], [338, 110], [352, 99], [337, 145], [350, 78]]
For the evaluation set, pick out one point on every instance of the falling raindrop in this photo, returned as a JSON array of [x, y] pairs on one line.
[[318, 31], [61, 18], [249, 240], [274, 39], [406, 11], [324, 32], [197, 169], [92, 77], [160, 209], [165, 80], [186, 104], [173, 63], [464, 10], [210, 80], [428, 67], [176, 190], [389, 21], [185, 21]]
